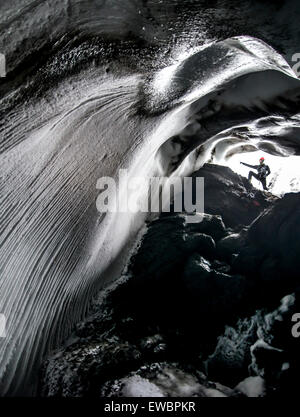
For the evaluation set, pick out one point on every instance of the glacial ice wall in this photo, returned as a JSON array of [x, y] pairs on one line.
[[56, 250]]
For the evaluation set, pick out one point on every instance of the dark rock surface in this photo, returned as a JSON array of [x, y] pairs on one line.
[[198, 306], [232, 196], [271, 249]]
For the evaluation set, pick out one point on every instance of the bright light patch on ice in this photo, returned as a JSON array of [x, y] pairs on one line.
[[254, 386], [285, 172], [163, 77], [137, 386]]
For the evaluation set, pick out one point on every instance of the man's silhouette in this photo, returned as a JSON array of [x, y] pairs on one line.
[[262, 172]]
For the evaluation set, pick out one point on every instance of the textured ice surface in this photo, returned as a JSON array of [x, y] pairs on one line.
[[56, 250]]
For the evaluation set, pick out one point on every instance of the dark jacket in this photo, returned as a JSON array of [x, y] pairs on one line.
[[262, 169]]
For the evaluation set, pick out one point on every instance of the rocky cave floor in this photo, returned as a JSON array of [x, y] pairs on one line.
[[203, 309]]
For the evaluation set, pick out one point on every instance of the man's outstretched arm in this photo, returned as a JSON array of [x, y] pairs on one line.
[[250, 166]]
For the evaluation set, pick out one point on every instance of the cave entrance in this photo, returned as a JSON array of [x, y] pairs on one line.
[[285, 172]]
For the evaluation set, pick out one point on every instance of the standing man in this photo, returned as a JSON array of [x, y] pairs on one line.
[[262, 172]]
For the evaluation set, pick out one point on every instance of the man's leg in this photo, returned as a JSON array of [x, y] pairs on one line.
[[264, 183], [252, 174]]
